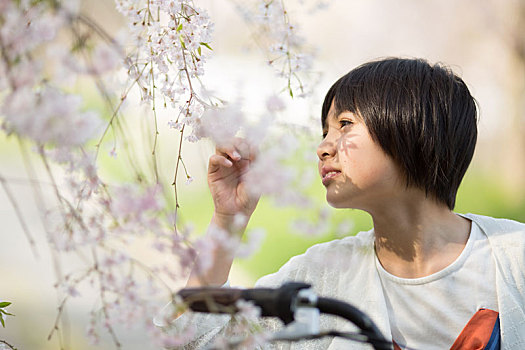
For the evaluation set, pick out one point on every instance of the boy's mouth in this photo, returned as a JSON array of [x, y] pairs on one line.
[[328, 175]]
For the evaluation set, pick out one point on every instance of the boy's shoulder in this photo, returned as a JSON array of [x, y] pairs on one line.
[[348, 250], [323, 263], [506, 238], [499, 229], [363, 240]]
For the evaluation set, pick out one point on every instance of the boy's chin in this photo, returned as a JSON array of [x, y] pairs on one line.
[[336, 204]]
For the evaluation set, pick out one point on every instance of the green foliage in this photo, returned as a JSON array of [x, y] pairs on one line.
[[486, 194], [3, 305], [282, 242], [207, 45], [480, 193], [52, 3]]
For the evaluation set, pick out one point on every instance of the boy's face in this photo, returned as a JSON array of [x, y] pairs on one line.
[[353, 167]]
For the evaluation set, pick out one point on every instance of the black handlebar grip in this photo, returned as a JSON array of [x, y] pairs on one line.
[[357, 317], [279, 303], [273, 302], [211, 299]]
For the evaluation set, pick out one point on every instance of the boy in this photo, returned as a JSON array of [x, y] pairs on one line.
[[398, 136]]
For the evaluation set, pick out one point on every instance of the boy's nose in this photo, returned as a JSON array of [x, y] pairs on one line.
[[325, 149]]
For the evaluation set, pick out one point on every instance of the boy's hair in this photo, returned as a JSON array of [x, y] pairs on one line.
[[421, 115]]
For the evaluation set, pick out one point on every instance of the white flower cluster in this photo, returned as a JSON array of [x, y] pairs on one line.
[[49, 116], [286, 49], [108, 223], [230, 245], [247, 333], [36, 70], [171, 39], [32, 106], [165, 58], [221, 125]]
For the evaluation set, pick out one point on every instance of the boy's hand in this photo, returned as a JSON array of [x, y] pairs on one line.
[[226, 171]]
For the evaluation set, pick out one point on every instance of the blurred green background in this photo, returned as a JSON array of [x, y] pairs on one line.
[[480, 193]]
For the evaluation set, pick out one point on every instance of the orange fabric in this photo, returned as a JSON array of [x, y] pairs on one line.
[[477, 332], [396, 347]]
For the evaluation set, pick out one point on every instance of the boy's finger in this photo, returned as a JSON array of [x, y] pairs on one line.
[[254, 150], [229, 151], [216, 161], [238, 149], [243, 148]]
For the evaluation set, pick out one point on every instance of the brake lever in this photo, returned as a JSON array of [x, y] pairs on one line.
[[306, 318]]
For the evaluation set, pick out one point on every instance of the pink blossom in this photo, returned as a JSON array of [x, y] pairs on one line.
[[165, 60], [318, 227], [175, 340], [130, 201], [248, 310], [286, 47], [267, 175], [253, 243], [49, 116], [170, 48], [91, 332], [113, 153], [221, 125], [72, 291], [106, 58], [275, 104], [205, 249]]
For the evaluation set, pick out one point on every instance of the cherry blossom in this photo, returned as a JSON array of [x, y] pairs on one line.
[[286, 48], [100, 221], [221, 125], [58, 115], [275, 104]]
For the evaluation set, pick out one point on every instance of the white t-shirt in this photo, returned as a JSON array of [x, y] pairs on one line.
[[346, 270], [432, 311]]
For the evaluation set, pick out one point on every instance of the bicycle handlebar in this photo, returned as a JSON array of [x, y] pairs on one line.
[[357, 317], [272, 302], [280, 302]]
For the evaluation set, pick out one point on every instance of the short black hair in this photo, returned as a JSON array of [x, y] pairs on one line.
[[421, 115]]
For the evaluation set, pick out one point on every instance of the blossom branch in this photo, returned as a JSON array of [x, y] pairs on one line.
[[174, 184], [8, 345], [19, 215], [171, 41], [153, 152], [102, 291], [117, 109]]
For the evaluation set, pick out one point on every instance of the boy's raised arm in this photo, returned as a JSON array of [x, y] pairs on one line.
[[234, 204]]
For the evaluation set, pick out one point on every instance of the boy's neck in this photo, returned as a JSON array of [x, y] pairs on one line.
[[416, 238]]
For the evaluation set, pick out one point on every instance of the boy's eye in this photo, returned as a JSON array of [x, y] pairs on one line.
[[344, 123]]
